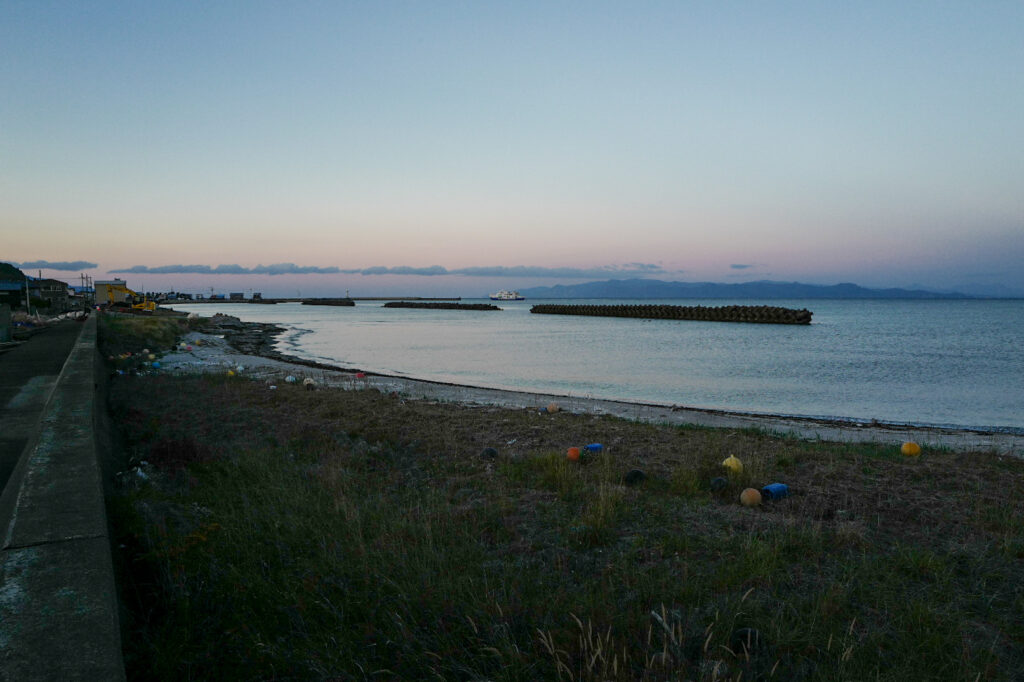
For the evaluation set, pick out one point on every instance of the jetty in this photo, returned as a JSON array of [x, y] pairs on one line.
[[437, 305], [762, 314]]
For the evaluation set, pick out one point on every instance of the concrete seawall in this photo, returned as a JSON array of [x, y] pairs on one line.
[[58, 598]]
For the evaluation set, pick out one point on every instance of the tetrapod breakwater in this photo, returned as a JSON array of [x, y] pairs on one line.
[[760, 314], [441, 306]]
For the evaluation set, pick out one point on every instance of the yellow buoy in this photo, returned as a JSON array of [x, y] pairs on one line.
[[733, 464], [910, 449], [751, 497], [231, 372]]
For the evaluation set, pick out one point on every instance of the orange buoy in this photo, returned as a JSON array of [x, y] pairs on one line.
[[574, 454], [751, 497], [910, 449]]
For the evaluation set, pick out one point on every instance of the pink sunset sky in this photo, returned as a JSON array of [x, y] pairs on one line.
[[453, 149]]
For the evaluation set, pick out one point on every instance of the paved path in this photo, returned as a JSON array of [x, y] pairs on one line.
[[27, 376]]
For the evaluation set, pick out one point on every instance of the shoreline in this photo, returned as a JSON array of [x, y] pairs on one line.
[[230, 343]]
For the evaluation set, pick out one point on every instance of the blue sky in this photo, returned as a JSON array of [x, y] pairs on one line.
[[880, 143]]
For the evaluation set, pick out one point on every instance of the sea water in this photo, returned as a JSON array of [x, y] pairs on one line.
[[943, 363]]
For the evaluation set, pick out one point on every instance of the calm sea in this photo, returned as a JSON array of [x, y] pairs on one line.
[[951, 363]]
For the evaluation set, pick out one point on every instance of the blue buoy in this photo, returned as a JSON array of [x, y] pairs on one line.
[[593, 447], [775, 491]]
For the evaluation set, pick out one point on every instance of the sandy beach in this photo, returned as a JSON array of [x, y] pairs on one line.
[[217, 353]]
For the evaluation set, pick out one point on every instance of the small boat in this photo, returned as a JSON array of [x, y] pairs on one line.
[[505, 295]]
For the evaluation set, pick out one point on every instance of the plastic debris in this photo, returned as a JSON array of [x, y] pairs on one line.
[[594, 448], [775, 491], [719, 483], [910, 449], [750, 497], [573, 454], [733, 464], [634, 477]]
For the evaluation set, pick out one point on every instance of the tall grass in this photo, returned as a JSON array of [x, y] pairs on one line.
[[351, 535]]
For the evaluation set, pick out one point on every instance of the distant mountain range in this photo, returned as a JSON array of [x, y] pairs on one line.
[[654, 288]]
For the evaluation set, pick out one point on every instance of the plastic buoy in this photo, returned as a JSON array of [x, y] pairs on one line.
[[553, 407], [593, 447], [634, 477], [574, 454], [488, 453], [290, 379], [733, 464], [151, 356], [156, 364], [775, 491], [719, 483], [360, 375], [910, 449], [231, 372], [751, 497]]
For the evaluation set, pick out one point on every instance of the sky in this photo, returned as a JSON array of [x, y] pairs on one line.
[[455, 148]]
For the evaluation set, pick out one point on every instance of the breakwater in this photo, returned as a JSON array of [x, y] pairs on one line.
[[441, 306], [329, 301], [761, 314]]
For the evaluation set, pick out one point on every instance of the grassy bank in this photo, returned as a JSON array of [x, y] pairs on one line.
[[293, 534]]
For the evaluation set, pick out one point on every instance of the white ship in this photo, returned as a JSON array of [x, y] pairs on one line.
[[505, 295]]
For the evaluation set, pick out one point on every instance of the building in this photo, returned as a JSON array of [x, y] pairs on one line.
[[52, 295], [12, 293], [111, 291]]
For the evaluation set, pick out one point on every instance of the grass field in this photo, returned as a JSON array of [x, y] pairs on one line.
[[294, 534]]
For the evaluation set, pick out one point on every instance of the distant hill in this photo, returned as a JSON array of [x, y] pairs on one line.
[[9, 272], [654, 288]]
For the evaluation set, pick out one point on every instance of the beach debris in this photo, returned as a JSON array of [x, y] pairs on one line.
[[145, 351], [156, 364], [240, 368], [634, 477], [733, 464], [489, 453], [719, 483], [542, 410], [593, 448], [360, 375], [290, 379], [231, 372], [309, 383], [750, 497], [775, 491], [573, 454], [151, 356], [273, 387], [910, 449], [553, 408]]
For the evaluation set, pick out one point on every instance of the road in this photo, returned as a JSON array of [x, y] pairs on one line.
[[27, 375]]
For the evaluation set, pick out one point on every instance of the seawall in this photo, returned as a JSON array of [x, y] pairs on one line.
[[58, 597]]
